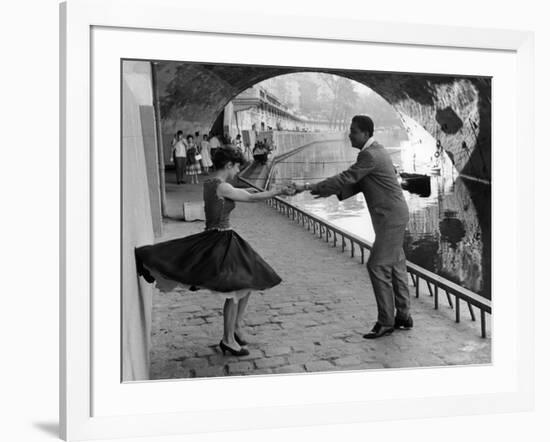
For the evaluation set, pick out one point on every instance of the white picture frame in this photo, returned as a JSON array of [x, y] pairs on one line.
[[78, 420]]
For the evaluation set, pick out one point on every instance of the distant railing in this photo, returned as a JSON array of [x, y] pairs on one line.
[[279, 158], [435, 283]]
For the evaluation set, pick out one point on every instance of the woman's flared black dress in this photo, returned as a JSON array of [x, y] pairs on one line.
[[217, 259]]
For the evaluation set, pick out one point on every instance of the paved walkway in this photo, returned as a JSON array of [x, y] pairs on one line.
[[313, 321]]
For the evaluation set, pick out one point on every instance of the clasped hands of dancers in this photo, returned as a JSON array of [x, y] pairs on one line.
[[218, 261]]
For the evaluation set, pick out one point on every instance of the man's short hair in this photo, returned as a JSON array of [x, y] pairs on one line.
[[364, 123]]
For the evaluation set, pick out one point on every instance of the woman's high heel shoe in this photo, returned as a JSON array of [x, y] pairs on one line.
[[241, 352], [239, 340]]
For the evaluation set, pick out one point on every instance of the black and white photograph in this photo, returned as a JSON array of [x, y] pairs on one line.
[[265, 221], [292, 220]]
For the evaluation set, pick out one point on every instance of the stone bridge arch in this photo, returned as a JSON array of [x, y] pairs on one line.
[[455, 110]]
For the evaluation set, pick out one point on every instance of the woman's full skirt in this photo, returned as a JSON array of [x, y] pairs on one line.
[[217, 260]]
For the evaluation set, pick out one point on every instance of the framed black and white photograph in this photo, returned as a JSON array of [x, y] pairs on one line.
[[308, 220]]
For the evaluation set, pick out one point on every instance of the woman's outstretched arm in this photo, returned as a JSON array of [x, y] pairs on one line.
[[226, 190]]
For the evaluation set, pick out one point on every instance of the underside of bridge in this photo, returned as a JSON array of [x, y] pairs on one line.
[[456, 110]]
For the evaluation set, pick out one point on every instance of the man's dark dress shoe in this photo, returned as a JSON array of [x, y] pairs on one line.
[[378, 331], [404, 323]]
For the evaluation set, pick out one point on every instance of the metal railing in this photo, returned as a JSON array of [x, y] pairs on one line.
[[339, 237]]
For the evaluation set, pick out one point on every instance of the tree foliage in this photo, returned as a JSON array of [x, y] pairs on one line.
[[332, 98]]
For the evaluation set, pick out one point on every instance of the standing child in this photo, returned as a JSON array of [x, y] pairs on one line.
[[214, 145], [193, 164], [206, 160]]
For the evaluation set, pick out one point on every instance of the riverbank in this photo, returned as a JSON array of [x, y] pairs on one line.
[[313, 321]]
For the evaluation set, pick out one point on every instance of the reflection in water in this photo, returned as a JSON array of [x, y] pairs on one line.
[[451, 229], [444, 234]]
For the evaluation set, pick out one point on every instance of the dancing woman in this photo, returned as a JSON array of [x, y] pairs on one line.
[[217, 259]]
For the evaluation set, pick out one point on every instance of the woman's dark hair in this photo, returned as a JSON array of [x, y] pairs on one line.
[[364, 123], [189, 136], [226, 155], [180, 132]]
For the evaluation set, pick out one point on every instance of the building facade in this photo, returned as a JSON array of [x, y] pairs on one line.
[[258, 110]]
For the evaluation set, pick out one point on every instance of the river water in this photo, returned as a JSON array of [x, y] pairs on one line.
[[448, 232]]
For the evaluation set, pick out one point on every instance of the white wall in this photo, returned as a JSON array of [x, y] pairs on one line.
[[137, 224]]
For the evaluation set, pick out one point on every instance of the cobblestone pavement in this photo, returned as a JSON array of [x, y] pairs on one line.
[[313, 321]]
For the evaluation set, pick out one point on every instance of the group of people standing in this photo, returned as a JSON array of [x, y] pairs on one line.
[[191, 156], [261, 152]]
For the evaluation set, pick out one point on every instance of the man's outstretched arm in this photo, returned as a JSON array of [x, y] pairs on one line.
[[341, 183]]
